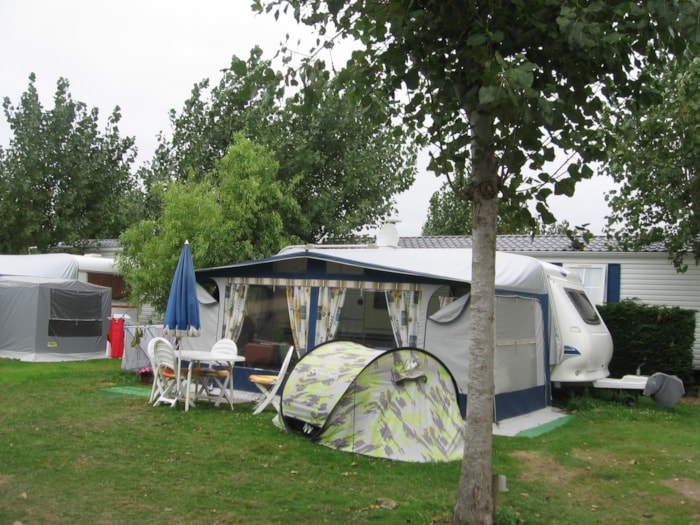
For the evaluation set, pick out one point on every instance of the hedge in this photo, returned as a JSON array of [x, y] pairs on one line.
[[655, 338]]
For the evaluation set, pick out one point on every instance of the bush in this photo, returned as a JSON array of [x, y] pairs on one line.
[[655, 338]]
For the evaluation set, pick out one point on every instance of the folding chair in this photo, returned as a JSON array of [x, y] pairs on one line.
[[269, 384], [165, 388]]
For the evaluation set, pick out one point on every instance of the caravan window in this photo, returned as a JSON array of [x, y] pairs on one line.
[[583, 305]]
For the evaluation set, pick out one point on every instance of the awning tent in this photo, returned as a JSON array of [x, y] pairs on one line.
[[398, 404], [307, 274], [208, 316], [519, 375], [44, 319]]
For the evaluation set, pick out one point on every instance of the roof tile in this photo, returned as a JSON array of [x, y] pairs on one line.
[[519, 243]]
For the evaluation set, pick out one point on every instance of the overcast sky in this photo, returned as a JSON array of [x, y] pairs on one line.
[[145, 56]]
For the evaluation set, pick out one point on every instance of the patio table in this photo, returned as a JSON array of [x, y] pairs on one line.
[[206, 357]]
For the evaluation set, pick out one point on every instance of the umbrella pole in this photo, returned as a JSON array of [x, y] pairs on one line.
[[178, 349], [188, 385]]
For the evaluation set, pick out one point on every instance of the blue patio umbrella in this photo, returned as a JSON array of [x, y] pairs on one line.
[[182, 312]]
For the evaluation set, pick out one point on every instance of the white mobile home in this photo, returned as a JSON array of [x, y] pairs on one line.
[[609, 275], [390, 297]]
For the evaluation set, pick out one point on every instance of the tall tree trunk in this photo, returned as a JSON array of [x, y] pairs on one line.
[[475, 503]]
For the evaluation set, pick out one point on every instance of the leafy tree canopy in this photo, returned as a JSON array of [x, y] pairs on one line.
[[541, 70], [450, 213], [234, 213], [497, 87], [342, 162], [654, 157], [62, 180]]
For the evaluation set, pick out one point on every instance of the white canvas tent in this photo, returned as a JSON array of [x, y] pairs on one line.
[[208, 316], [135, 348], [519, 360], [45, 319]]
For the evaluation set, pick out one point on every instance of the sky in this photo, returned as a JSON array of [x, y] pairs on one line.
[[145, 56]]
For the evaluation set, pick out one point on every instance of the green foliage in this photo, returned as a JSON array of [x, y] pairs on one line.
[[658, 338], [347, 163], [247, 96], [61, 179], [342, 163], [493, 87], [450, 213], [654, 147], [235, 213], [540, 72]]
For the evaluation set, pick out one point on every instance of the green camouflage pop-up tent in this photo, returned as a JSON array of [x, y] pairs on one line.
[[398, 404]]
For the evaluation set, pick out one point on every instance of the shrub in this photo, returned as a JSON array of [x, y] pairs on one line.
[[655, 338]]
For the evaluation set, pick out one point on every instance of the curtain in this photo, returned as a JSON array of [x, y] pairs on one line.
[[444, 301], [404, 309], [330, 307], [235, 298], [298, 303]]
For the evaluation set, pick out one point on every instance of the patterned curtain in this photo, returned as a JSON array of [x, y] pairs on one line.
[[330, 306], [444, 301], [404, 307], [299, 302], [235, 298]]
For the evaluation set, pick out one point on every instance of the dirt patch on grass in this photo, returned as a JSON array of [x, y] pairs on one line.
[[602, 459], [692, 398], [689, 488], [538, 467], [5, 481]]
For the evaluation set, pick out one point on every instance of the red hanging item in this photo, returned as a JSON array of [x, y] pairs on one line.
[[116, 337]]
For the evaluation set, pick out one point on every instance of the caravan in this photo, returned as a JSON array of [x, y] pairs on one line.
[[385, 297], [581, 343]]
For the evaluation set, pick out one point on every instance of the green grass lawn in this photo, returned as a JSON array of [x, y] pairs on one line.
[[78, 444]]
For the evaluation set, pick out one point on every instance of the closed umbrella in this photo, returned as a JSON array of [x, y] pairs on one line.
[[182, 312]]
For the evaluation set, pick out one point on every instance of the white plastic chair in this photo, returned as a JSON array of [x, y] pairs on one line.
[[269, 384], [155, 388], [224, 348], [164, 360]]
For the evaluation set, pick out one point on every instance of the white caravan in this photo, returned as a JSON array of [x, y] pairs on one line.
[[580, 344]]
